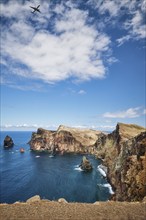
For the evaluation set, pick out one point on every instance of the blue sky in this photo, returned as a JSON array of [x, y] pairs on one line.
[[77, 63]]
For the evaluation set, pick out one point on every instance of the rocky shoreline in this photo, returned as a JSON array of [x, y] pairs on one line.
[[123, 156], [123, 152]]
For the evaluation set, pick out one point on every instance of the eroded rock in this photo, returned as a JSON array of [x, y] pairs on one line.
[[62, 200], [34, 199], [123, 152], [8, 142], [85, 164], [65, 140]]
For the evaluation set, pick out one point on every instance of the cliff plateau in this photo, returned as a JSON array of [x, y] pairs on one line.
[[65, 139]]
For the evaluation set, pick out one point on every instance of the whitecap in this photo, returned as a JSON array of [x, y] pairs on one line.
[[37, 156], [107, 185], [78, 168], [103, 173], [51, 156]]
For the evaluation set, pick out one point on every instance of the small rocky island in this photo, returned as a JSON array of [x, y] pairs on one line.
[[8, 142], [85, 164], [123, 152]]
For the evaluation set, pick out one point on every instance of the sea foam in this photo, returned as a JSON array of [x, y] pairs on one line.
[[103, 173], [107, 185], [76, 167]]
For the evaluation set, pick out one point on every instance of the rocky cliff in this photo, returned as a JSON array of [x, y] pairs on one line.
[[65, 139], [122, 151]]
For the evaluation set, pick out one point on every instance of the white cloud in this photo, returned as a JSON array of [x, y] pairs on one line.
[[131, 12], [82, 92], [27, 127], [106, 127], [111, 6], [136, 26], [112, 60], [144, 111], [129, 113], [123, 39], [75, 49]]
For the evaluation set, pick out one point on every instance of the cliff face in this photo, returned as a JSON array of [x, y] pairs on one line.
[[122, 151], [65, 139]]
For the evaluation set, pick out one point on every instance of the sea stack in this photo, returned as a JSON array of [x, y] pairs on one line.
[[8, 142], [85, 164]]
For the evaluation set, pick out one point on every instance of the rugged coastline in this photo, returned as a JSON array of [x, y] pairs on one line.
[[122, 152], [123, 156]]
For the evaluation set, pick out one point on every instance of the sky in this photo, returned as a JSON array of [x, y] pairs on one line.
[[78, 63]]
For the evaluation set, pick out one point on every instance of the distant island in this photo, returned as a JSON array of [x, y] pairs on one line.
[[123, 152]]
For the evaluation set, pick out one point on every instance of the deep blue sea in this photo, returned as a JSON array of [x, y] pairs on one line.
[[23, 175]]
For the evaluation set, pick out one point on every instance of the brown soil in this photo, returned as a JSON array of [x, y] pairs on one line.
[[51, 210]]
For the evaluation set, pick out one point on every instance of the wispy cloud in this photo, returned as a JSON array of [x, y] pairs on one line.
[[81, 92], [132, 14], [123, 39], [34, 127], [109, 6], [76, 92], [27, 127], [129, 113], [136, 25], [106, 127]]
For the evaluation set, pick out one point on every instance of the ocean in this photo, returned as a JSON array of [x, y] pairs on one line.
[[23, 175]]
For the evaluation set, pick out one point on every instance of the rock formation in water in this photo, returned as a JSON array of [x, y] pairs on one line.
[[8, 142], [85, 164], [122, 152], [65, 140]]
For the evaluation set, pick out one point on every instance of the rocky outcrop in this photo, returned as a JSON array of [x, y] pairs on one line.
[[35, 198], [123, 152], [8, 142], [65, 140], [85, 164]]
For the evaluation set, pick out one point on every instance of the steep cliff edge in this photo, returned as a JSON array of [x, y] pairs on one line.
[[123, 152], [65, 139]]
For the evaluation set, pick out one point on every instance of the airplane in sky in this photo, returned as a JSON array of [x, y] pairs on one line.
[[35, 9]]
